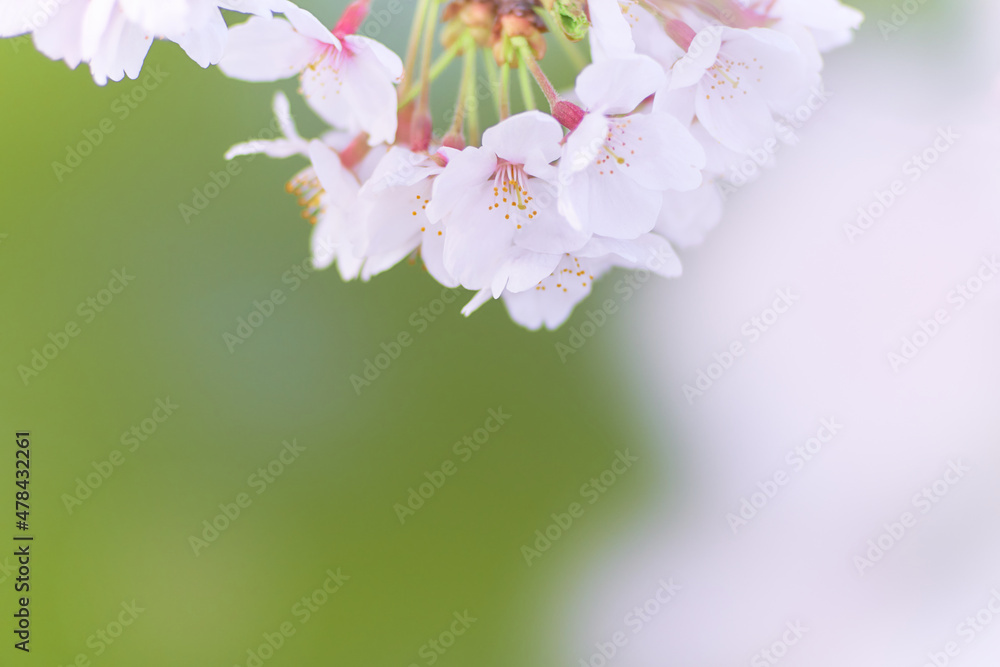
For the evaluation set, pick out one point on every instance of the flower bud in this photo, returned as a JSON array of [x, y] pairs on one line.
[[568, 114], [453, 140], [517, 18], [571, 17], [421, 130], [476, 17]]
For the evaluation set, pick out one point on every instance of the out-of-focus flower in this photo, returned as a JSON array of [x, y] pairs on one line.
[[114, 36], [610, 34], [831, 23]]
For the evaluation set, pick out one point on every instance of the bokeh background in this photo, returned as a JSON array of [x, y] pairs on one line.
[[333, 507]]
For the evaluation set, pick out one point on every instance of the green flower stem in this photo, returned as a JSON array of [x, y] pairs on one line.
[[528, 60], [440, 64], [569, 48], [504, 91], [527, 94], [472, 99], [414, 43], [494, 73], [423, 101]]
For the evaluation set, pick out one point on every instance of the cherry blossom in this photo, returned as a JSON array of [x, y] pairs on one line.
[[550, 302], [114, 36], [347, 79], [616, 164], [739, 79], [393, 208], [498, 204], [679, 99]]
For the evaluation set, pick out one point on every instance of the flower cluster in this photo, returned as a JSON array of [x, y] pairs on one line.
[[114, 36], [538, 206]]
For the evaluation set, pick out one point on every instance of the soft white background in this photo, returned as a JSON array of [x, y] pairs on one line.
[[828, 357]]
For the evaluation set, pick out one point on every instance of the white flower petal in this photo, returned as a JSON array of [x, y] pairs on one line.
[[283, 113], [376, 263], [96, 24], [700, 56], [388, 220], [618, 85], [258, 7], [120, 52], [738, 119], [466, 170], [687, 217], [206, 44], [546, 230], [323, 242], [530, 138], [667, 157], [432, 252], [522, 269], [831, 22], [582, 148], [390, 62], [400, 168], [481, 297], [678, 102], [777, 65], [610, 34], [267, 49], [21, 16], [551, 301], [353, 91], [276, 148], [161, 16], [60, 37], [649, 36], [474, 243], [649, 251], [308, 25], [620, 207], [335, 178]]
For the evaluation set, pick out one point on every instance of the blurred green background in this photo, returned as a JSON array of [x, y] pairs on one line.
[[162, 337]]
